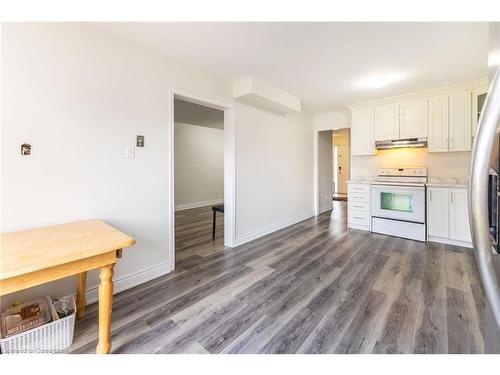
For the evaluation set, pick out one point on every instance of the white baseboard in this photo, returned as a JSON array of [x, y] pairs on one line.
[[187, 206], [129, 281], [325, 209], [240, 240], [449, 241]]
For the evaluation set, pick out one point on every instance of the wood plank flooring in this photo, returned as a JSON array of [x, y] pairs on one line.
[[314, 287]]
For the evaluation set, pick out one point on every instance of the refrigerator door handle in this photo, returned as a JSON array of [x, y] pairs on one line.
[[478, 194]]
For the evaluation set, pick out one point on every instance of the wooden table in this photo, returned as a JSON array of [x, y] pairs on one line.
[[215, 209], [32, 257]]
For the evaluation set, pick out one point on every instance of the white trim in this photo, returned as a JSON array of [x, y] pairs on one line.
[[131, 280], [325, 209], [242, 239], [360, 227], [449, 241], [188, 206], [229, 164], [316, 202], [468, 86]]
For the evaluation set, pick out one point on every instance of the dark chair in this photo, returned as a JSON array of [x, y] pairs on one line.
[[215, 209]]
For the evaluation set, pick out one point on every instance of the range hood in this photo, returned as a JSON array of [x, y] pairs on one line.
[[400, 143]]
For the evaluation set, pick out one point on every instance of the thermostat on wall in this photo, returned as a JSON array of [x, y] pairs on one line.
[[25, 149]]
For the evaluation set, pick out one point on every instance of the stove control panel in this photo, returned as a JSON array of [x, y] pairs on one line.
[[403, 172]]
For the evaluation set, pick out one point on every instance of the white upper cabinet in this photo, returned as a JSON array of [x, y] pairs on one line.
[[387, 122], [402, 120], [413, 119], [478, 98], [447, 117], [460, 122], [438, 124], [450, 127], [362, 132]]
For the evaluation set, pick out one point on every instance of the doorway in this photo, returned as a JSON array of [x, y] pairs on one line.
[[201, 175], [341, 163], [325, 170]]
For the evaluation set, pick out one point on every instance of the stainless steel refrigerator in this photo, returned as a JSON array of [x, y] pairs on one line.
[[484, 195]]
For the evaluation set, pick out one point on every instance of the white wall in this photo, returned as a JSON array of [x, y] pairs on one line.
[[274, 158], [199, 165], [80, 96], [325, 170], [338, 119], [439, 164]]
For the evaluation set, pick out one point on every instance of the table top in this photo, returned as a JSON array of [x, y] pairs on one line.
[[35, 249]]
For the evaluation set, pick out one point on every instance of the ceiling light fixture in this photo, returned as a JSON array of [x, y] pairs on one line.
[[378, 81]]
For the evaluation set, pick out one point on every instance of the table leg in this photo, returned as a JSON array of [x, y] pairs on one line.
[[81, 286], [213, 224], [105, 305]]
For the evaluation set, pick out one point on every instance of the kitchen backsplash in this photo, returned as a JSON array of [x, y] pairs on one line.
[[439, 164]]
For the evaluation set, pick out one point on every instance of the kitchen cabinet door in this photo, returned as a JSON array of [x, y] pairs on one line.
[[438, 124], [459, 215], [460, 121], [478, 98], [362, 132], [387, 122], [437, 212], [414, 119]]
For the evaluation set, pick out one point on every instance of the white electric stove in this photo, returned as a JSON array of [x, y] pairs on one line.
[[398, 202]]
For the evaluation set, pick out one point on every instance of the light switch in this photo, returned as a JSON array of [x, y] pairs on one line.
[[130, 152]]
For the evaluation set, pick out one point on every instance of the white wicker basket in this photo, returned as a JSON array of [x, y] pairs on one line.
[[52, 337]]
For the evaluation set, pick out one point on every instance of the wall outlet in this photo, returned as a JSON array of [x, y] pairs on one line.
[[140, 141]]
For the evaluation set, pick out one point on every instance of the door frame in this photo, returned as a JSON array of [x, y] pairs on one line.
[[229, 163], [316, 160]]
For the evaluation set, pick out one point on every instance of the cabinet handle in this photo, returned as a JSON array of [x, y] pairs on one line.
[[360, 218], [357, 206], [451, 194], [430, 195]]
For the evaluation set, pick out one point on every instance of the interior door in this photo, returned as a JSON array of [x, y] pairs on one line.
[[342, 169]]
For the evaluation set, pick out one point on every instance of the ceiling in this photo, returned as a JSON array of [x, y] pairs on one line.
[[325, 64], [195, 114]]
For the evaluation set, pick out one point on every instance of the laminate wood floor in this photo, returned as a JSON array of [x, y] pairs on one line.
[[314, 287]]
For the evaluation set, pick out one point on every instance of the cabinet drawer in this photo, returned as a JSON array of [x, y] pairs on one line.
[[361, 188], [359, 217], [359, 206], [358, 198]]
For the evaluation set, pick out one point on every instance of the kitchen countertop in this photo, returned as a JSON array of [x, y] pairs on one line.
[[450, 182], [457, 182], [363, 180]]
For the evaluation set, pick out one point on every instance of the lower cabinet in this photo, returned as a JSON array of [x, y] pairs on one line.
[[448, 216], [359, 206]]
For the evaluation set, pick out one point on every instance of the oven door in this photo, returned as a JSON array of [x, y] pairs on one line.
[[406, 203]]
